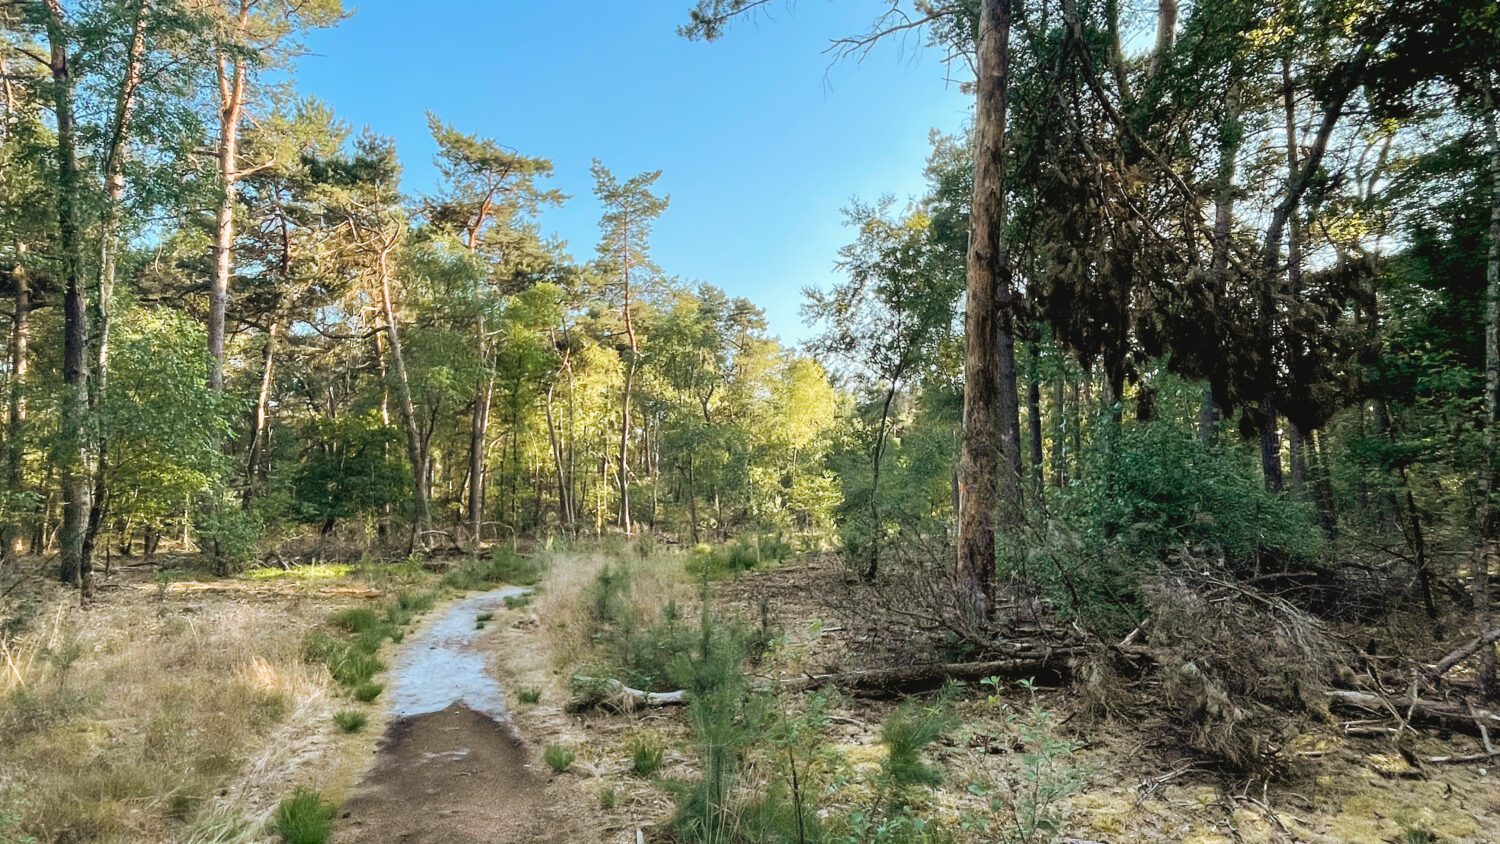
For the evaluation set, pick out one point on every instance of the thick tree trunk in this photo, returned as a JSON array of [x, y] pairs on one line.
[[74, 427], [1490, 479], [988, 280]]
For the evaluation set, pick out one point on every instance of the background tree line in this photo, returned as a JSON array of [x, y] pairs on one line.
[[229, 326]]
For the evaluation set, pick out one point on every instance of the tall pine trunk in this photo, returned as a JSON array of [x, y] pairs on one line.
[[231, 83], [73, 423], [1490, 479], [988, 281]]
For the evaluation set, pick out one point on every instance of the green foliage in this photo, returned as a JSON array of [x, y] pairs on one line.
[[646, 754], [529, 695], [367, 692], [349, 468], [163, 424], [558, 757], [906, 734], [304, 818], [1152, 493], [504, 566], [350, 720], [741, 555]]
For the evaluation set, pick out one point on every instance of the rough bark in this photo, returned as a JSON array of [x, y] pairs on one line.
[[1490, 477], [74, 425], [987, 277]]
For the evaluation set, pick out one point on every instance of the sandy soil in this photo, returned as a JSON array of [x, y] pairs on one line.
[[448, 777]]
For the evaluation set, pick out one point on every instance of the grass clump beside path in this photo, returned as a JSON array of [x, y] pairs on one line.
[[304, 818]]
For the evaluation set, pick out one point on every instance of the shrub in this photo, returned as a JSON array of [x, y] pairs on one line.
[[558, 757], [367, 692], [909, 731], [646, 754], [1154, 492], [503, 566], [229, 534], [529, 694], [357, 620], [304, 818], [350, 720], [608, 797]]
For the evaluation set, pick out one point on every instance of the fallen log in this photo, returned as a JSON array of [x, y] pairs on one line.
[[907, 678], [1450, 715], [592, 692]]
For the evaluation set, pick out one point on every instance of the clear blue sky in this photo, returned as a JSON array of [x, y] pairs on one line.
[[760, 139]]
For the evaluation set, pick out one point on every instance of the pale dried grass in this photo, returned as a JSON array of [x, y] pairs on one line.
[[124, 722], [564, 600]]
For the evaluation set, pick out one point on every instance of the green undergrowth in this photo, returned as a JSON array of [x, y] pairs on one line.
[[666, 651], [751, 551], [504, 566], [350, 645]]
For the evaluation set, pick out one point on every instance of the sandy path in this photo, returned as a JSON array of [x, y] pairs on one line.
[[450, 769]]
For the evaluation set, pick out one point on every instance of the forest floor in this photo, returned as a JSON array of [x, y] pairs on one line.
[[182, 708], [1130, 781]]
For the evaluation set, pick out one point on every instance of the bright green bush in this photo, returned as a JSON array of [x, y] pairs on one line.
[[1153, 499]]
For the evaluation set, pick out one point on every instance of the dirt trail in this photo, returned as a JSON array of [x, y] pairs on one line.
[[450, 769]]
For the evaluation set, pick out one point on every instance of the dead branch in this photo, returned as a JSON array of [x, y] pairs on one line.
[[1472, 647], [1452, 716]]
